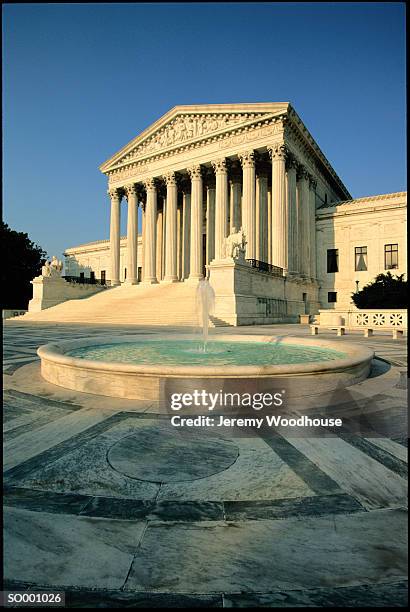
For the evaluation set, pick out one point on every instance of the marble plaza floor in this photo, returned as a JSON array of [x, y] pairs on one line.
[[279, 522]]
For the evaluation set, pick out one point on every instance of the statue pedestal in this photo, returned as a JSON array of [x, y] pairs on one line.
[[247, 296], [49, 291]]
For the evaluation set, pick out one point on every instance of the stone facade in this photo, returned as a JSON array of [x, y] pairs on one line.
[[199, 173], [363, 232]]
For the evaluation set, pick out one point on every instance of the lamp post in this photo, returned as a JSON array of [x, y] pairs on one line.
[[357, 286]]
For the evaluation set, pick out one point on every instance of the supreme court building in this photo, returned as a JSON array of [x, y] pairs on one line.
[[199, 174]]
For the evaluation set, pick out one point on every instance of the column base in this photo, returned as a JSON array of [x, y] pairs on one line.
[[115, 283], [131, 281], [170, 280], [193, 280], [149, 281]]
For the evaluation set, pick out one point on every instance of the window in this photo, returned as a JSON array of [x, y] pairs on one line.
[[391, 256], [360, 258], [103, 277], [332, 260], [92, 276], [81, 275], [332, 297], [125, 273], [139, 274]]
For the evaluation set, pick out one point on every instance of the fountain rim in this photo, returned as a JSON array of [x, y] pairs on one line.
[[55, 352]]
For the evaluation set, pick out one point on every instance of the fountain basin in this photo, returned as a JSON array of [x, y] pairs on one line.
[[346, 364]]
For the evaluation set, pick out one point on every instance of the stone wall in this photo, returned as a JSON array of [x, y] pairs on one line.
[[246, 296], [48, 292]]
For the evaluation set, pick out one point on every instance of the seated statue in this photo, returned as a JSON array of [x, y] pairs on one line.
[[56, 267], [234, 245], [46, 270]]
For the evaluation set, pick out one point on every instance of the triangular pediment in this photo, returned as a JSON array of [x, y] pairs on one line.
[[185, 125]]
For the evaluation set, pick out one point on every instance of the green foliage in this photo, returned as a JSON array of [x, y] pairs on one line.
[[386, 291], [21, 262]]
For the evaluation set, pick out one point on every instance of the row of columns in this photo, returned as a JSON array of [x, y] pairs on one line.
[[279, 225]]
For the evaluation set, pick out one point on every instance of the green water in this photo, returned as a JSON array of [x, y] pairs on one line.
[[190, 352]]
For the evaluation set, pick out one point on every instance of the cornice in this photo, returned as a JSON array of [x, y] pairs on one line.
[[375, 198], [295, 127]]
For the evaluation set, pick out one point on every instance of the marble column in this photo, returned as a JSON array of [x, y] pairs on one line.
[[171, 275], [150, 232], [132, 234], [179, 243], [186, 230], [210, 222], [312, 221], [164, 236], [279, 220], [247, 159], [261, 216], [235, 203], [159, 244], [143, 206], [221, 205], [302, 187], [115, 221], [196, 255], [293, 240], [270, 225]]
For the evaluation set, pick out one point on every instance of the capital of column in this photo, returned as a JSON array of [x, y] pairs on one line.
[[150, 184], [220, 166], [301, 172], [277, 152], [130, 190], [195, 172], [291, 161], [312, 183], [115, 193], [170, 179], [247, 159]]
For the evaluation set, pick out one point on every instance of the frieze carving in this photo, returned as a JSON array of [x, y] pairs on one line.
[[121, 175], [252, 134]]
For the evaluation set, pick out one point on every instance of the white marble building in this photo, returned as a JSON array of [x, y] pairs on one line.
[[201, 171]]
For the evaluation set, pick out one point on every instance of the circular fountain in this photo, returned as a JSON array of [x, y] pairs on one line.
[[138, 367]]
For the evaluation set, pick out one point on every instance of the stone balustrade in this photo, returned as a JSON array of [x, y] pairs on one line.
[[377, 318]]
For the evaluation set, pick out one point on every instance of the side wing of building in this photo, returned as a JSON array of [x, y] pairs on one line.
[[357, 240]]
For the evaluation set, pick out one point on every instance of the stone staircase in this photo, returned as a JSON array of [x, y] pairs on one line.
[[162, 304]]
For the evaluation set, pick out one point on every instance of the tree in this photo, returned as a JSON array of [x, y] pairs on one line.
[[386, 291], [21, 262]]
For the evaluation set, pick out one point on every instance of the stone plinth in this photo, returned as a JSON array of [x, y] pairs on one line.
[[50, 291], [246, 296]]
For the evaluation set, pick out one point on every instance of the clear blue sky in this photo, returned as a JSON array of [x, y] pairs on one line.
[[81, 80]]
